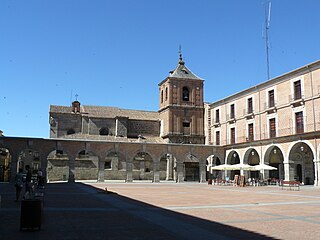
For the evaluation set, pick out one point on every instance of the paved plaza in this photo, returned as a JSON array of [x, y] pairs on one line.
[[166, 211]]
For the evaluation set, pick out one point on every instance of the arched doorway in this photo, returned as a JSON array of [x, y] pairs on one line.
[[233, 158], [191, 169], [274, 158], [301, 164], [29, 157], [215, 161], [5, 164], [252, 158], [142, 167]]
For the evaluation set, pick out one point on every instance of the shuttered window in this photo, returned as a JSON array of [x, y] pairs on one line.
[[217, 137], [250, 132], [217, 116], [232, 111], [297, 90], [272, 128], [232, 135], [299, 122], [250, 106], [271, 98]]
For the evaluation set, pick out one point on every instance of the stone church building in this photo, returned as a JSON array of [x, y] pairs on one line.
[[180, 118]]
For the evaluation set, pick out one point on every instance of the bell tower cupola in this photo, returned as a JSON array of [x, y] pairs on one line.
[[181, 106]]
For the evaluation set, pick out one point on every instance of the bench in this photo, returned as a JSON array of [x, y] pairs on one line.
[[292, 185]]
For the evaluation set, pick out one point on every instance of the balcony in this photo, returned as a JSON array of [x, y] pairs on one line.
[[296, 99], [270, 107], [231, 118], [248, 113], [217, 124]]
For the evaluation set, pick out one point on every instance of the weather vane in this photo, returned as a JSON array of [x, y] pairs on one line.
[[76, 96]]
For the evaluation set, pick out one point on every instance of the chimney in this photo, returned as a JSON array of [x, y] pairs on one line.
[[76, 107]]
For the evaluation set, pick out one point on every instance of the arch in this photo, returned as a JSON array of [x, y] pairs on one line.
[[166, 94], [214, 160], [71, 131], [190, 157], [161, 96], [104, 131], [251, 157], [301, 163], [29, 157], [185, 94], [292, 144], [5, 165], [191, 168], [233, 158], [86, 165], [57, 166], [142, 166], [274, 156]]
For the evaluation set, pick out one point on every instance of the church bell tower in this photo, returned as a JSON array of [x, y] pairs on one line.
[[181, 106]]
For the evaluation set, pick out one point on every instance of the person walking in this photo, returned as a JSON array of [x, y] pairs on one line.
[[18, 183], [28, 180]]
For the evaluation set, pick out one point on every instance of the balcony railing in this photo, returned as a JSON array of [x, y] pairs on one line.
[[296, 99]]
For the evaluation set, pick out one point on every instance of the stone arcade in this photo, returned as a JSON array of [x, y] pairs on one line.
[[276, 123]]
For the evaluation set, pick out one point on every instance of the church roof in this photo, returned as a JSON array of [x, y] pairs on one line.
[[108, 112], [181, 71], [112, 112]]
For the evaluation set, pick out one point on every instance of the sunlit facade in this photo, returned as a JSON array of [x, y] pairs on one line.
[[276, 123]]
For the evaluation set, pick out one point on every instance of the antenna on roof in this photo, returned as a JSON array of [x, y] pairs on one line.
[[180, 52], [267, 25]]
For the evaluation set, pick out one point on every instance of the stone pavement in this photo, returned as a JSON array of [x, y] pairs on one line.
[[84, 210]]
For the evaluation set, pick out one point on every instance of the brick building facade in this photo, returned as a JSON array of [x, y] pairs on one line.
[[276, 122]]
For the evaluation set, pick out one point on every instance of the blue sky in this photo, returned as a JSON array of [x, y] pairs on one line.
[[114, 53]]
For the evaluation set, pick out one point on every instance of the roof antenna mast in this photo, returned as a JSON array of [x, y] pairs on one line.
[[267, 25], [180, 52]]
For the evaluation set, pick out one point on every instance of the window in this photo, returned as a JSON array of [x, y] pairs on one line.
[[161, 97], [166, 94], [104, 131], [70, 131], [272, 127], [186, 124], [107, 164], [271, 98], [232, 111], [299, 122], [250, 106], [217, 116], [185, 94], [217, 137], [297, 90], [232, 135], [250, 132]]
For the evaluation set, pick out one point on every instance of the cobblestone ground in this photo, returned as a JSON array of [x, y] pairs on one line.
[[166, 211]]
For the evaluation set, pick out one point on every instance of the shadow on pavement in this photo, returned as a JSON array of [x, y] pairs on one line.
[[80, 211]]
